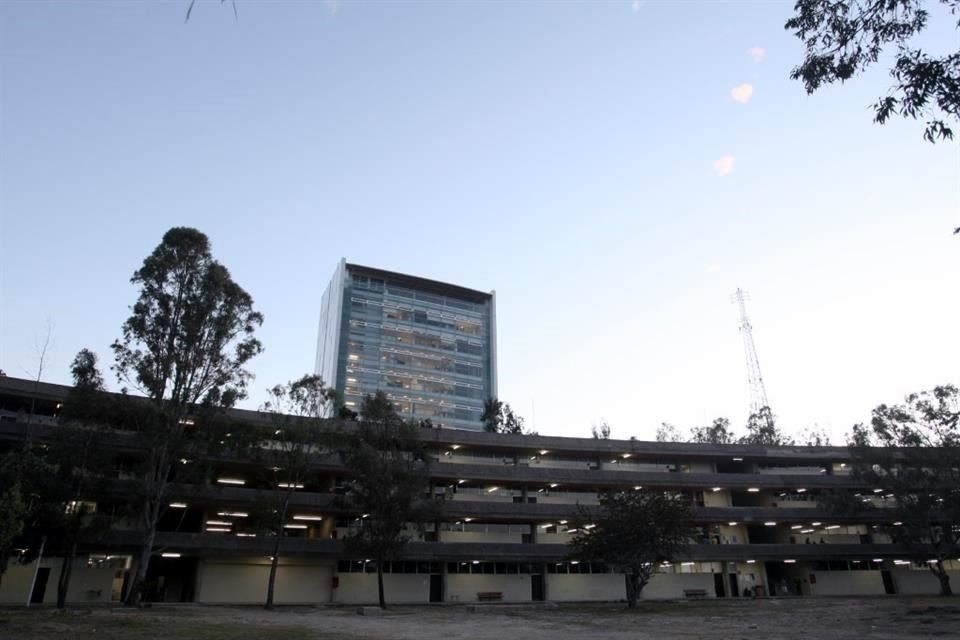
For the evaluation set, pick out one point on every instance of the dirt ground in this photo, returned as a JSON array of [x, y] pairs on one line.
[[881, 618]]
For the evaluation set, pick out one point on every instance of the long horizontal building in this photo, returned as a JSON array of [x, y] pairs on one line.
[[508, 502]]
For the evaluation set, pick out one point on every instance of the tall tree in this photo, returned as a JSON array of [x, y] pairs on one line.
[[632, 532], [79, 463], [845, 37], [390, 484], [300, 439], [718, 432], [762, 430], [13, 507], [912, 452], [190, 334]]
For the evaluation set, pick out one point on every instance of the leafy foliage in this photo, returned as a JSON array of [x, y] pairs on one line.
[[499, 417], [845, 37], [912, 452], [601, 431], [762, 430], [719, 432], [633, 532], [389, 485], [666, 432]]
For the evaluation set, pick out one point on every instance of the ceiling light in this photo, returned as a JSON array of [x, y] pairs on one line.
[[789, 561], [715, 489], [801, 490], [294, 526], [878, 490], [217, 530], [169, 555], [219, 523], [231, 481], [454, 446], [815, 524], [246, 535], [178, 505], [732, 524], [796, 526], [288, 485], [897, 524], [315, 518], [753, 490], [543, 452], [232, 514], [833, 526], [637, 488], [460, 481], [492, 489], [738, 459], [751, 561], [769, 524], [553, 485], [468, 519]]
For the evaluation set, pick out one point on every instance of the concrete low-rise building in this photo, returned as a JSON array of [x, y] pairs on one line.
[[508, 502]]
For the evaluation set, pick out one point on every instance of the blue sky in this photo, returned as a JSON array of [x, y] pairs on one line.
[[566, 154]]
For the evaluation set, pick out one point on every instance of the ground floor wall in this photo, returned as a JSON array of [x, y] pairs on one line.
[[88, 585], [846, 583], [914, 582], [398, 588], [244, 581]]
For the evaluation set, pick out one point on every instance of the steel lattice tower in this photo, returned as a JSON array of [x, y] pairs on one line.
[[758, 393]]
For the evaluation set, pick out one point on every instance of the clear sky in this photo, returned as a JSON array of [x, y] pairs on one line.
[[601, 165]]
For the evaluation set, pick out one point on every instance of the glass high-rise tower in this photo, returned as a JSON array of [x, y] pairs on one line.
[[430, 346]]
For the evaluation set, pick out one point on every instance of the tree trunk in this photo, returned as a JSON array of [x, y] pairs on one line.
[[632, 581], [135, 596], [383, 602], [275, 559], [942, 575], [66, 569]]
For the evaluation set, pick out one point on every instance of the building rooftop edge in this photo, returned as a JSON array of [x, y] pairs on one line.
[[442, 288]]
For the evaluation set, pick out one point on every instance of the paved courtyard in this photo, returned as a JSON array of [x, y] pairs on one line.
[[879, 618]]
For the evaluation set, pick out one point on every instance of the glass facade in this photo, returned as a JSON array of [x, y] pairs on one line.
[[430, 346]]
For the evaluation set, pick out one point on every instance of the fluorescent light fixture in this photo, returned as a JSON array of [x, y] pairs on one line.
[[289, 485], [492, 489], [460, 481], [637, 488], [897, 524], [715, 489], [796, 526], [878, 559], [751, 561], [294, 526], [807, 530], [625, 456], [789, 561], [543, 452], [589, 526], [801, 490], [246, 535], [178, 505], [169, 555], [738, 459], [753, 490], [878, 490], [815, 524], [351, 379], [232, 514], [832, 526], [353, 356], [476, 562], [687, 564], [219, 523], [366, 515], [454, 446], [769, 524], [217, 530], [732, 524], [231, 481], [574, 562], [468, 519], [315, 518], [563, 522]]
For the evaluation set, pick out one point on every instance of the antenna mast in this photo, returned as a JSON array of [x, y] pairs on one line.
[[758, 393]]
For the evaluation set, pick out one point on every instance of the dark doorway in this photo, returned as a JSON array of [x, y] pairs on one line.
[[436, 587], [40, 586], [536, 586], [734, 589], [888, 587], [718, 585], [170, 579]]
